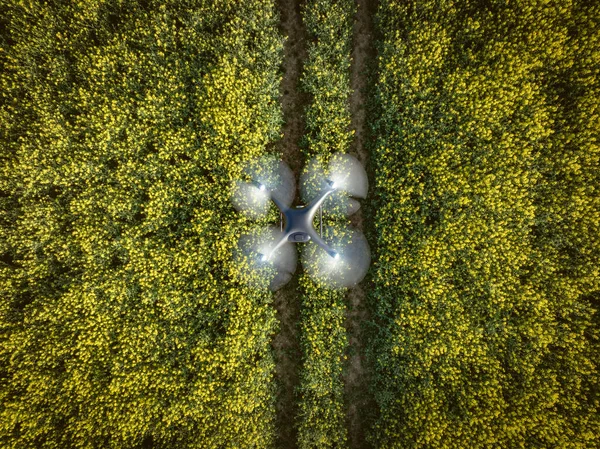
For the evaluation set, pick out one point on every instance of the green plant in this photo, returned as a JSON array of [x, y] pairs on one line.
[[323, 337], [123, 124], [487, 219]]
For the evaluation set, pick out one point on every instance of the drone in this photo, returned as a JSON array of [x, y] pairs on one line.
[[340, 258]]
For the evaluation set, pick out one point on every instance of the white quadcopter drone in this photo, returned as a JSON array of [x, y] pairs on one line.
[[340, 259]]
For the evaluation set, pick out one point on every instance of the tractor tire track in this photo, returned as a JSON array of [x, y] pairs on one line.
[[286, 344], [360, 403]]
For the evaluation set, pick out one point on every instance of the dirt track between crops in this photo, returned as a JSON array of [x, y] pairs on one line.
[[359, 402], [288, 353]]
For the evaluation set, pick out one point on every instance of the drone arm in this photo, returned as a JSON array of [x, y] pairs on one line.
[[314, 204], [319, 241]]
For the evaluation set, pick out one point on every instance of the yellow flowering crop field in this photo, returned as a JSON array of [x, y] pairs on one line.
[[488, 226], [123, 124], [123, 320], [322, 416]]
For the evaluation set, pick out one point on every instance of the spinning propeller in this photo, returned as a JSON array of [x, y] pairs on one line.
[[268, 178], [348, 268], [257, 270], [349, 177]]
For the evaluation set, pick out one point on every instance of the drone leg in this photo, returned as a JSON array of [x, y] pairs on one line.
[[321, 220]]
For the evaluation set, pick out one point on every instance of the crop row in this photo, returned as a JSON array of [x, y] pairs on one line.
[[123, 123], [322, 420], [488, 225]]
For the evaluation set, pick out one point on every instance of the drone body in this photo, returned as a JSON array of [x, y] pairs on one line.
[[299, 223], [342, 257]]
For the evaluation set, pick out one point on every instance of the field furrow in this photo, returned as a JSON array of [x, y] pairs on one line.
[[287, 300], [359, 401]]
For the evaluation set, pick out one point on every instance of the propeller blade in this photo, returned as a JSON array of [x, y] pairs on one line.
[[250, 256], [314, 182], [280, 280], [347, 270], [353, 206], [349, 175], [275, 175], [286, 189], [339, 204], [249, 199]]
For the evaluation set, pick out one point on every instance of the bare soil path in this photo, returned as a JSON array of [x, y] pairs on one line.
[[360, 404], [286, 344]]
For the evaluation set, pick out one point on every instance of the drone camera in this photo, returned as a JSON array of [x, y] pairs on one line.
[[299, 237]]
